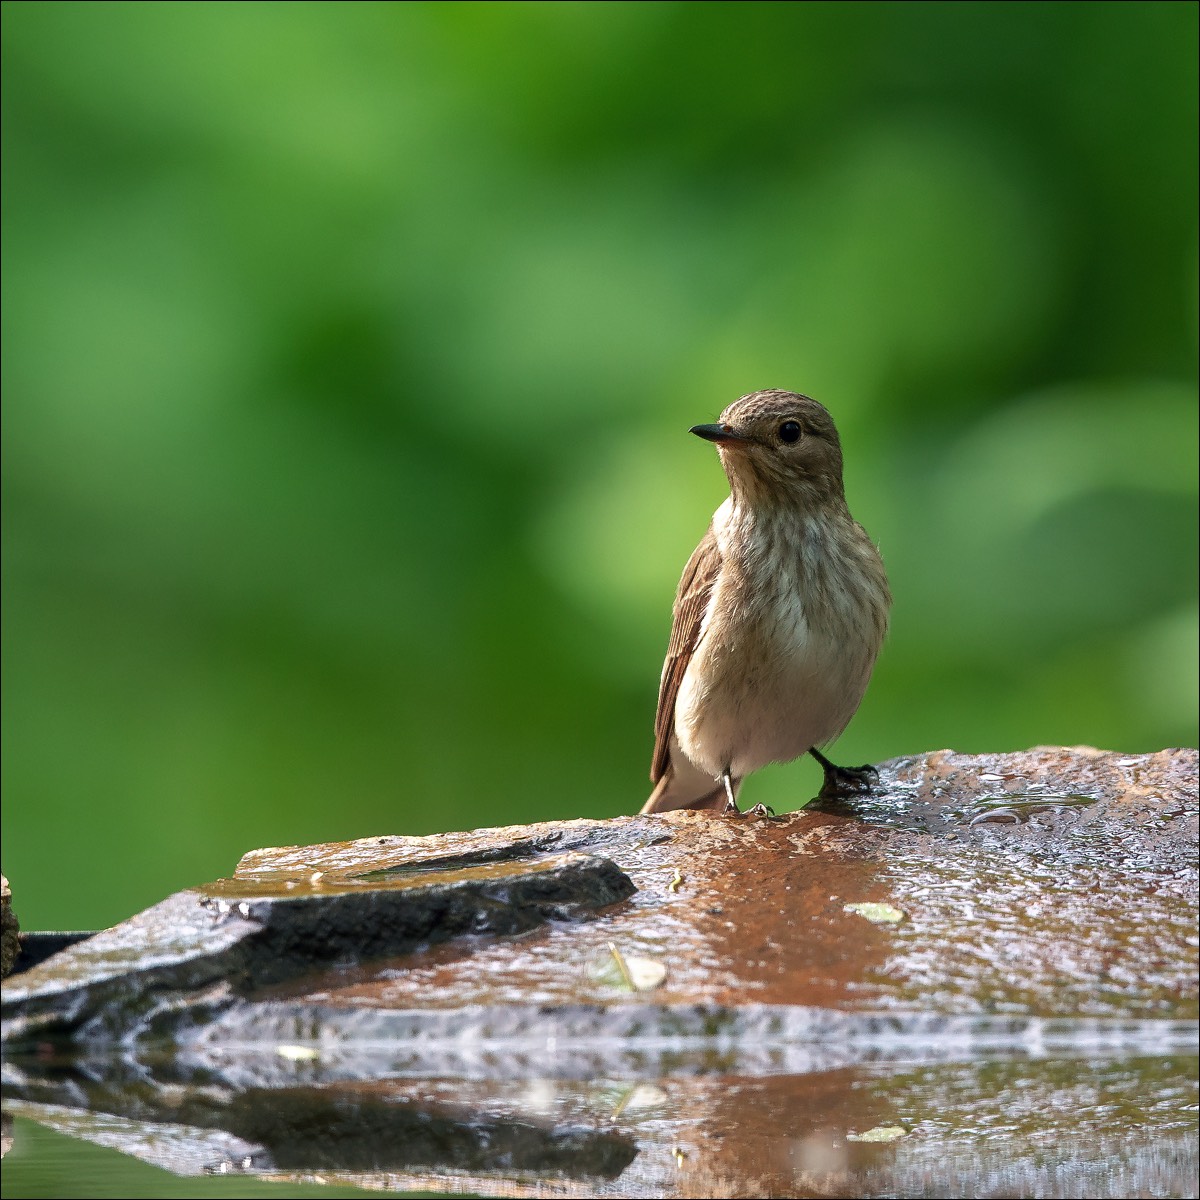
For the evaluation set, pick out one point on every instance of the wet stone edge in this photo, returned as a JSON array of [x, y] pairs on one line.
[[141, 977]]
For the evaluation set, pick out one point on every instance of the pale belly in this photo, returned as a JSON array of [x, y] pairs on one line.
[[768, 691]]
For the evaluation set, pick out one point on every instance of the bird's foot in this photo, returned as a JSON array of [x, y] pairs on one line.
[[759, 810], [847, 781]]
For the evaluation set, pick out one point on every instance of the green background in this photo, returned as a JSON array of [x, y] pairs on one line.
[[350, 351]]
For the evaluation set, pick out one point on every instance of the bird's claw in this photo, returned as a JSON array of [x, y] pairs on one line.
[[848, 781], [759, 810]]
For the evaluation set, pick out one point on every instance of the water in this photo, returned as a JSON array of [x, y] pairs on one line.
[[1099, 1124]]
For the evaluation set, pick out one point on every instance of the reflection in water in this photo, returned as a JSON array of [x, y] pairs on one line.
[[1054, 1127]]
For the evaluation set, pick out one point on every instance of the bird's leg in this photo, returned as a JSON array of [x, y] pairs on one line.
[[731, 808], [842, 781]]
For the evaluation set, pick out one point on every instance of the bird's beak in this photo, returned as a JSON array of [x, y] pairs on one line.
[[721, 434]]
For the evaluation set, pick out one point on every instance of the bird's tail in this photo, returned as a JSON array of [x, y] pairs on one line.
[[687, 787]]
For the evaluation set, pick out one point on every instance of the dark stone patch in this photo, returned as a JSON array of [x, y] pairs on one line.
[[35, 947], [239, 936]]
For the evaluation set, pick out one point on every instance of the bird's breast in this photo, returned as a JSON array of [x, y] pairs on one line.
[[781, 664]]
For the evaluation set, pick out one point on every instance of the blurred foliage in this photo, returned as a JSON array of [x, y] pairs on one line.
[[351, 349], [46, 1164]]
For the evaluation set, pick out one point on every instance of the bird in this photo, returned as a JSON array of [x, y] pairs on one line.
[[779, 616]]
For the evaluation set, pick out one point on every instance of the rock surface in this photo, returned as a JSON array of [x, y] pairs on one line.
[[841, 990], [236, 937]]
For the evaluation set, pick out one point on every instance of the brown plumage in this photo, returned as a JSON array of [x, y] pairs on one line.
[[779, 616]]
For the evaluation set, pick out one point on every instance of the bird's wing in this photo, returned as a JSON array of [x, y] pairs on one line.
[[691, 603]]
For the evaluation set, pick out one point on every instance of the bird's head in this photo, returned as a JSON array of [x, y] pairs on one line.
[[778, 448]]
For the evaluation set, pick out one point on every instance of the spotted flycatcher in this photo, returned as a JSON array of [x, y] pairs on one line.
[[779, 616]]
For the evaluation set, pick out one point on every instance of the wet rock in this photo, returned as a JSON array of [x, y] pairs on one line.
[[220, 945], [993, 960], [1083, 905]]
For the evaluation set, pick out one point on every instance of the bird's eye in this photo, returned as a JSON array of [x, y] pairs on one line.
[[790, 431]]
